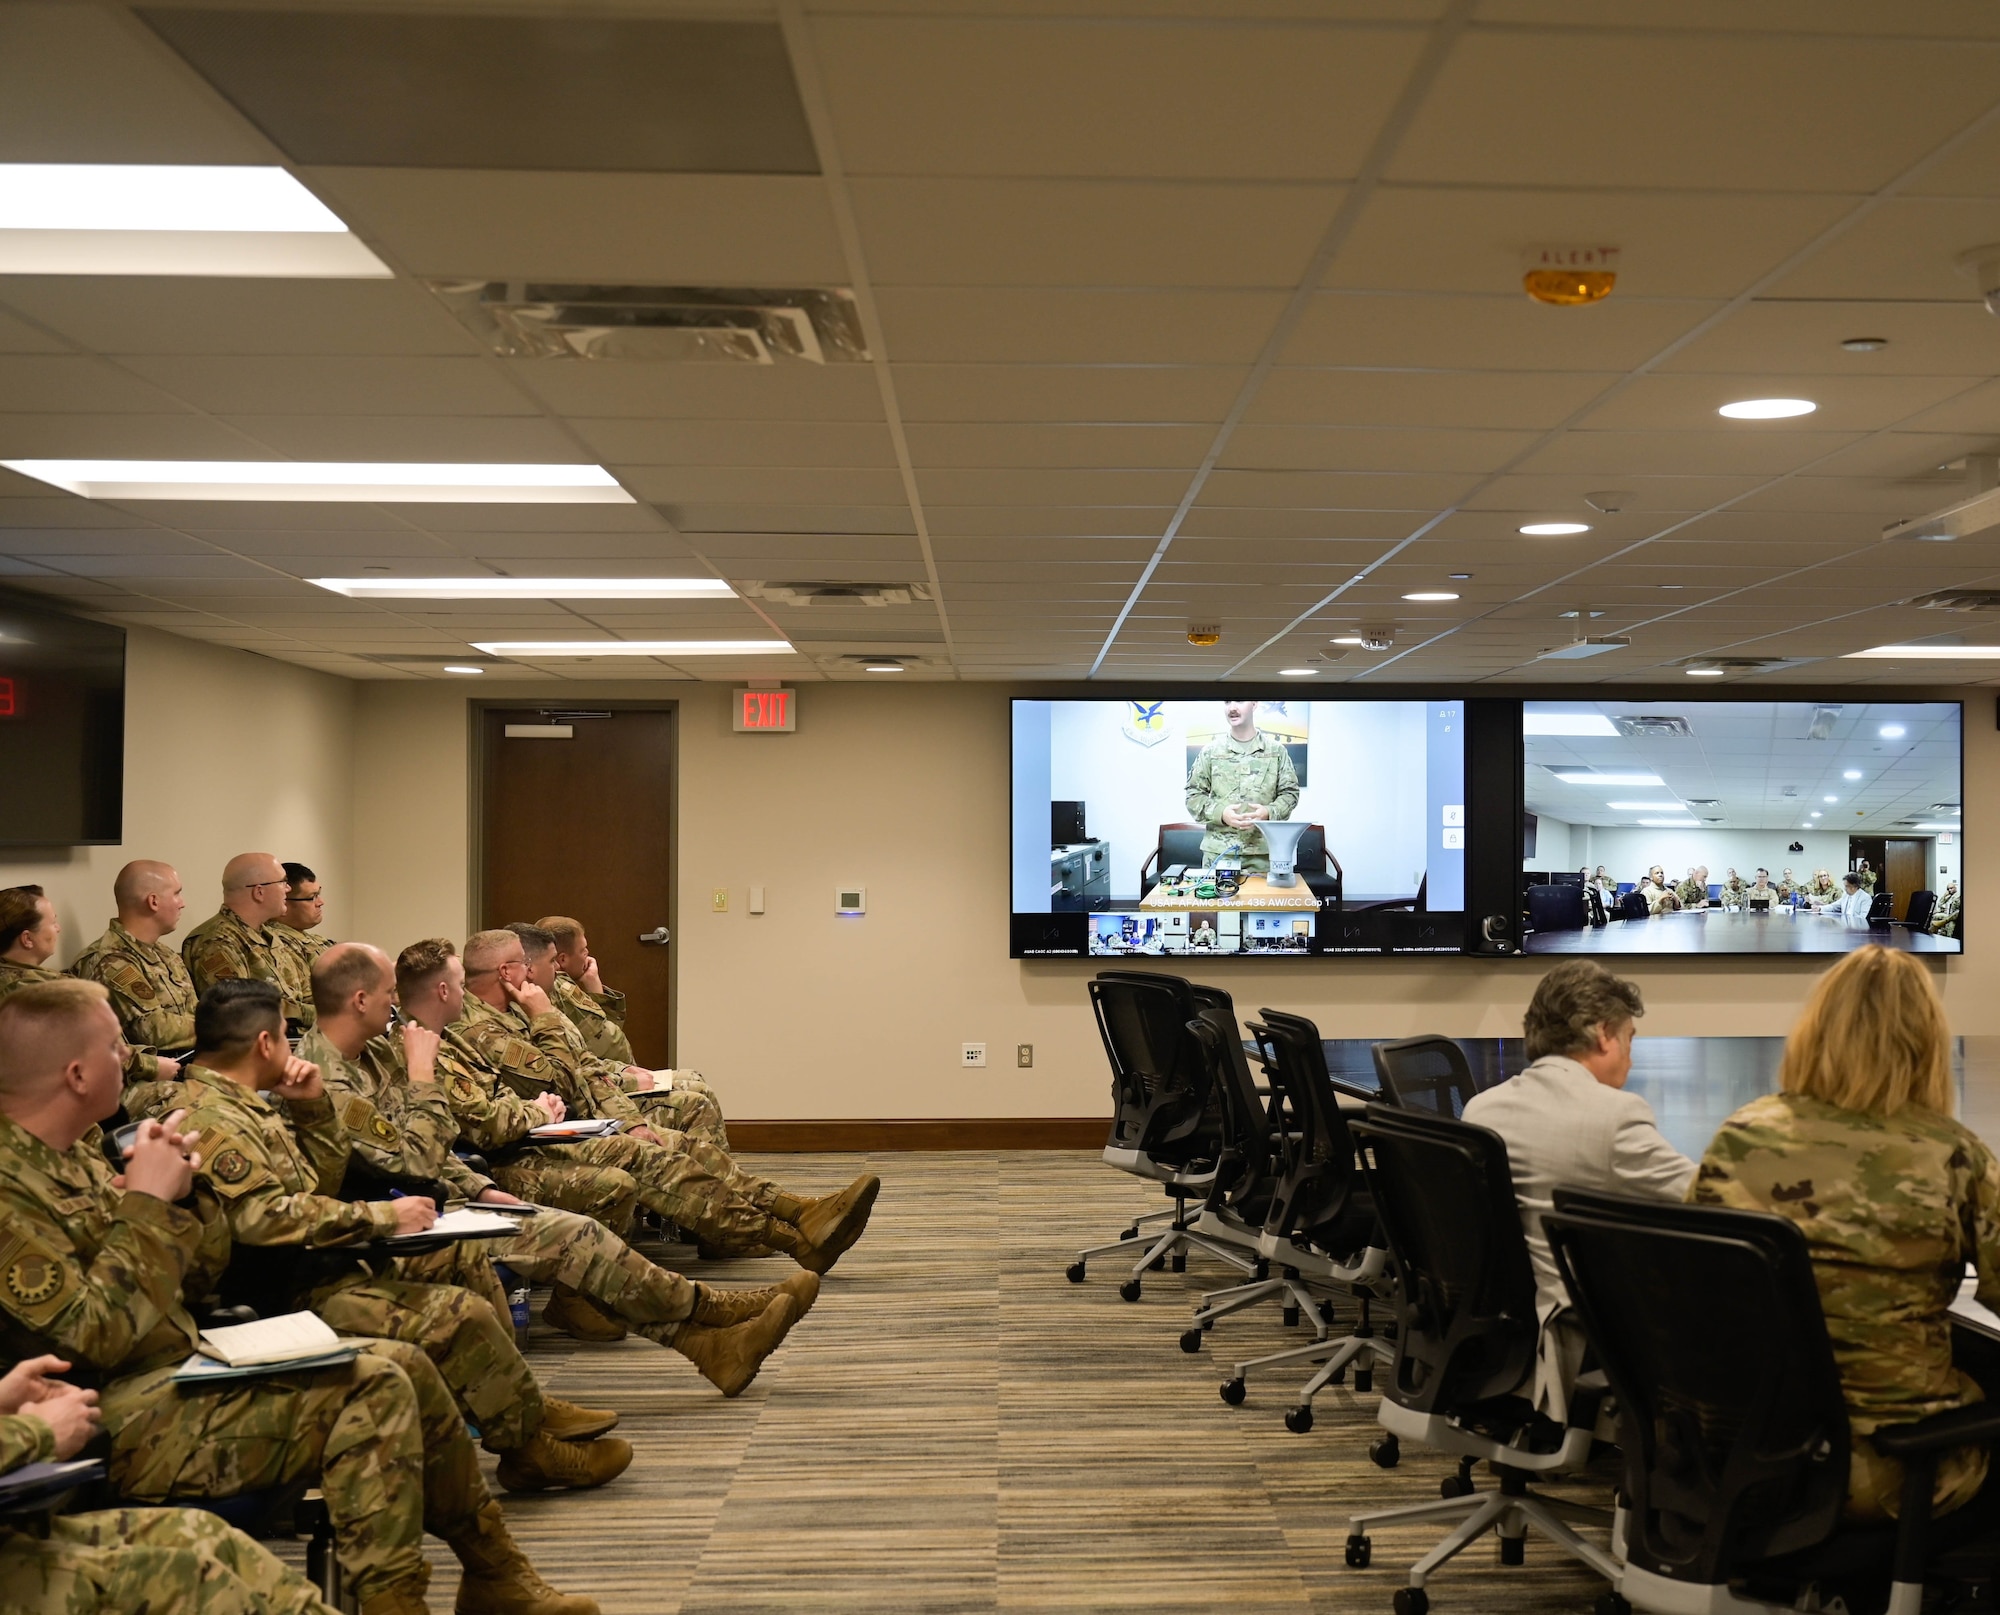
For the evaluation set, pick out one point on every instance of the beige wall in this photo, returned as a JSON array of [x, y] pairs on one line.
[[903, 789], [200, 722]]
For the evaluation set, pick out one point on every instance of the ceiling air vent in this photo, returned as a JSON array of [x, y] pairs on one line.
[[1960, 600], [1702, 802], [1652, 726], [836, 594], [662, 324]]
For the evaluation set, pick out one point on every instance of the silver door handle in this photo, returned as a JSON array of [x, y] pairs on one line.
[[655, 938]]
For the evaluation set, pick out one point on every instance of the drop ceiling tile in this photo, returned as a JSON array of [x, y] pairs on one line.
[[548, 554], [1906, 249], [791, 444], [1038, 394], [697, 484], [714, 520], [975, 486], [1077, 446], [925, 232], [775, 557], [55, 542], [260, 385], [1681, 402], [1320, 448], [1071, 325], [27, 434], [1330, 490], [703, 392], [1542, 496], [448, 519], [1501, 331], [1258, 525], [441, 437], [1611, 454], [1376, 398], [1802, 338], [1052, 521], [75, 384]]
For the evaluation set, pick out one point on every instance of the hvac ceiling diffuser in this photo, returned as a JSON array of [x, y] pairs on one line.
[[671, 324]]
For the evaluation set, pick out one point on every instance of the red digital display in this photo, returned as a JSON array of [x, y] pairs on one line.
[[7, 708], [765, 709]]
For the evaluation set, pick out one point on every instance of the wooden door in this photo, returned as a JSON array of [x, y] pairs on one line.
[[582, 824], [1903, 871]]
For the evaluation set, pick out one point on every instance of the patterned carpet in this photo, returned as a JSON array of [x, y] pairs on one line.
[[956, 1427]]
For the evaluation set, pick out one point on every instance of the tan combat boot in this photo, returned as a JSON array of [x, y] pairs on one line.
[[719, 1309], [547, 1464], [499, 1580], [729, 1358], [833, 1222], [568, 1422], [582, 1318], [405, 1598]]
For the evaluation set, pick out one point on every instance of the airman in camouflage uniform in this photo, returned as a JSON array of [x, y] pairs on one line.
[[1693, 892], [236, 943], [1734, 890], [1892, 1207], [272, 1188], [599, 1017], [678, 1100], [1245, 768], [1944, 918], [154, 1001], [140, 1068]]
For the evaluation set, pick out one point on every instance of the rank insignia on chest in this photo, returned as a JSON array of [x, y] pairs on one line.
[[231, 1166], [34, 1279]]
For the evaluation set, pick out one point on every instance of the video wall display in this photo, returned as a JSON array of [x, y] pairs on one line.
[[1742, 826], [1200, 828]]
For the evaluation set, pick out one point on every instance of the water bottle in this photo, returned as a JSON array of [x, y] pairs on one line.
[[517, 1301]]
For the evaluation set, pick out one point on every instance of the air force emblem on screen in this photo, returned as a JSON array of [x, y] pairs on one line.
[[1146, 722]]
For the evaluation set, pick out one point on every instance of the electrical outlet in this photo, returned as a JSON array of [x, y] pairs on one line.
[[1024, 1055], [719, 903], [971, 1055]]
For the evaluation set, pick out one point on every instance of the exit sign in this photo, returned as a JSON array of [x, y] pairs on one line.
[[7, 708], [765, 712]]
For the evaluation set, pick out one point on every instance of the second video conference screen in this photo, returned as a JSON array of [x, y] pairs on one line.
[[1274, 827], [1742, 826]]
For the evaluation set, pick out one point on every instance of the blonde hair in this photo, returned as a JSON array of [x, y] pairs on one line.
[[565, 930], [41, 1026], [1873, 1037]]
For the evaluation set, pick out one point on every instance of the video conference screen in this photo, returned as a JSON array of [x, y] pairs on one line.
[[62, 727], [1742, 826], [1202, 828]]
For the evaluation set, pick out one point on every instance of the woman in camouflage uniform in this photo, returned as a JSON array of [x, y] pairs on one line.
[[1894, 1197]]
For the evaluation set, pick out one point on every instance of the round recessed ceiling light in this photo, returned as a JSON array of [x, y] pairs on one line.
[[1298, 672], [1865, 344], [1891, 731], [1852, 773], [1829, 799], [1767, 409], [1430, 594], [454, 668], [1553, 529], [1705, 672]]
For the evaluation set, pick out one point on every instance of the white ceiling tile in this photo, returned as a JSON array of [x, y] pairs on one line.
[[320, 385]]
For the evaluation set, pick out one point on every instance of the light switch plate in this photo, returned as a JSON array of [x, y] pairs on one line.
[[756, 900]]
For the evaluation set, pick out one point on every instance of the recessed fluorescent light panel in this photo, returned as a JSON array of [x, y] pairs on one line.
[[527, 588], [1568, 723], [1644, 807], [1925, 653], [1577, 777], [532, 650], [1668, 824], [167, 219], [329, 481], [1767, 409], [1553, 529]]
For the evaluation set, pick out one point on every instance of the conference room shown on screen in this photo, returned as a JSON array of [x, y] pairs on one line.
[[1211, 827], [1742, 826]]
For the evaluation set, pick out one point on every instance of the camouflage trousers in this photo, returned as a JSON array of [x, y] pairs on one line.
[[449, 1304], [689, 1106], [685, 1180], [559, 1247], [382, 1436], [163, 1561]]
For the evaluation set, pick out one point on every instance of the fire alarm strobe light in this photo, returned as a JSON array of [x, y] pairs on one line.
[[1568, 276], [1204, 633]]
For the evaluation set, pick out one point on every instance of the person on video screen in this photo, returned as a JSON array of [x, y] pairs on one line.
[[1240, 778]]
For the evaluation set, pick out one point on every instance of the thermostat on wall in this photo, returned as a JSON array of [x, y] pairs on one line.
[[851, 900]]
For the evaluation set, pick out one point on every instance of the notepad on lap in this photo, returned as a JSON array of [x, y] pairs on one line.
[[285, 1339], [583, 1127], [465, 1223]]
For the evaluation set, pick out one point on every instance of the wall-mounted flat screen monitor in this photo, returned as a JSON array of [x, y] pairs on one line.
[[62, 728], [1743, 826], [1201, 828]]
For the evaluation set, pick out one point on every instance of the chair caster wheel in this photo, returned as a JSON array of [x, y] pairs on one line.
[[1612, 1603], [1513, 1550], [1326, 1312], [1385, 1453], [1455, 1486], [1299, 1420], [1191, 1341], [1291, 1317], [1180, 1262], [1157, 1265], [1357, 1552], [1263, 1269], [1364, 1380], [1074, 1272], [1233, 1392], [1339, 1378], [1412, 1601], [1130, 1233], [1129, 1290]]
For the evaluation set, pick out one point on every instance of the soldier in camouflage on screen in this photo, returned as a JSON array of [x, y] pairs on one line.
[[92, 1270], [1693, 892], [236, 942], [1893, 1195], [151, 993], [1239, 778], [1944, 918], [399, 1123]]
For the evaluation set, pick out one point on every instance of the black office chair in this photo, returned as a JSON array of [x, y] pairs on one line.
[[1465, 1349], [1923, 904], [1883, 907], [1557, 908], [1425, 1073], [1633, 907], [1736, 1462], [1319, 1229], [1166, 1122]]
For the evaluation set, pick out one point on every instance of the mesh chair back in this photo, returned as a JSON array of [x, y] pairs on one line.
[[1250, 1163], [1557, 908], [1425, 1073], [1319, 1177], [1465, 1294], [1160, 1084], [1730, 1455], [1632, 907], [1923, 904]]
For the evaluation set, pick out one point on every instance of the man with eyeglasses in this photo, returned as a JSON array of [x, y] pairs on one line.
[[295, 935], [237, 942]]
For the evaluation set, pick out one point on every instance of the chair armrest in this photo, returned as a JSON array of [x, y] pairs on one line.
[[1977, 1425]]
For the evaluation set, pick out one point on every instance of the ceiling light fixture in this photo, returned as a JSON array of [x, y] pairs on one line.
[[1767, 409], [1813, 815], [1430, 595], [1553, 529], [454, 667], [170, 219], [1829, 799], [1347, 639], [1668, 824], [1706, 672], [1568, 723], [1933, 827], [329, 481], [1924, 653], [527, 588], [673, 649], [1583, 777], [881, 667], [1891, 731], [1850, 773], [1865, 344], [1298, 672], [1646, 807]]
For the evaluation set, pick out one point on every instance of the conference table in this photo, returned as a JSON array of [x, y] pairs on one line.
[[1718, 931]]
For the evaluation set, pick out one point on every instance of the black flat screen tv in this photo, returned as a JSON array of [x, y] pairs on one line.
[[62, 728], [1366, 800]]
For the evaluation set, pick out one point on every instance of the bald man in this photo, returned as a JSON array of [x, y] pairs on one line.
[[150, 991], [236, 943]]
